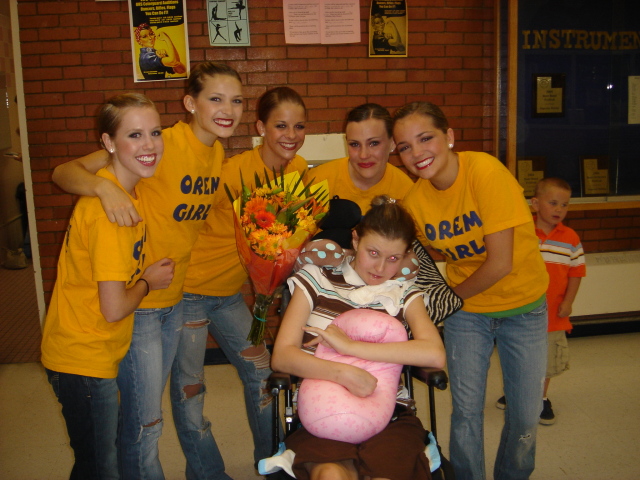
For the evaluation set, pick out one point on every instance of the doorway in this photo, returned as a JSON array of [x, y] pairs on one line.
[[20, 302]]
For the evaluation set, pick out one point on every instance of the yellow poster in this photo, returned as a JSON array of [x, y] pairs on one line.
[[159, 42], [388, 28]]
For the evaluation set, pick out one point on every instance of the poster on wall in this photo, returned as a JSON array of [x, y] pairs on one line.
[[530, 171], [548, 94], [228, 22], [595, 175], [321, 21], [633, 112], [159, 42], [388, 28]]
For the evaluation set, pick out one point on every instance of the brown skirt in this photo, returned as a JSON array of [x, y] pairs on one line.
[[396, 453]]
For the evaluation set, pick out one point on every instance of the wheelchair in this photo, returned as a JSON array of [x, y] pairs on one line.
[[443, 302], [283, 384]]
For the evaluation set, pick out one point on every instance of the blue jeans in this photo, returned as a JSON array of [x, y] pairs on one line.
[[522, 346], [228, 320], [141, 378], [90, 410]]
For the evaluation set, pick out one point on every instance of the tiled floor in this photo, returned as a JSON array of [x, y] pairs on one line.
[[596, 436], [20, 335]]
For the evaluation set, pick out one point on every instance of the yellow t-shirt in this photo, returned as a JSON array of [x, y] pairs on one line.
[[485, 198], [395, 183], [178, 200], [215, 267], [76, 338]]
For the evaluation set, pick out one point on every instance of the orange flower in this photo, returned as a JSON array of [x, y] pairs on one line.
[[255, 205], [264, 219]]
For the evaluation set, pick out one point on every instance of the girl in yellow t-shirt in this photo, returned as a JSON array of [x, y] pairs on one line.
[[366, 172], [102, 278], [469, 207], [212, 299], [178, 200]]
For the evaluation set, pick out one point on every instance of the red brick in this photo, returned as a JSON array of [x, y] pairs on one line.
[[464, 26], [445, 13], [425, 76], [315, 90], [348, 51], [328, 114], [442, 87], [425, 26], [306, 77], [270, 53], [613, 222], [428, 51], [267, 78], [103, 84], [444, 38], [463, 99], [61, 60], [405, 63], [627, 233], [57, 8], [387, 76], [53, 34], [347, 76], [42, 74], [39, 22], [366, 64], [444, 63], [407, 88], [599, 234], [80, 20], [331, 64], [310, 52], [67, 137], [463, 50], [463, 75], [287, 65], [35, 48], [349, 101], [57, 86], [629, 212], [614, 245], [64, 111]]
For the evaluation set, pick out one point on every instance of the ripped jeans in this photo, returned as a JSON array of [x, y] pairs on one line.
[[522, 347], [142, 375], [228, 319]]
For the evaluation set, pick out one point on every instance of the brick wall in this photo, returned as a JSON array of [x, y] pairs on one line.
[[77, 53], [607, 230]]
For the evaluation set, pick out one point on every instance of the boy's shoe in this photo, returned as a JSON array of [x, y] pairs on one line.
[[547, 417], [501, 403]]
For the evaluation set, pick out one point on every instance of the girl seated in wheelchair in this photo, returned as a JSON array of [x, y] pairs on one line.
[[366, 280]]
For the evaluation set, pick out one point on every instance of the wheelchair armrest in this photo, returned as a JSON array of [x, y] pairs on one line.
[[281, 381], [433, 377]]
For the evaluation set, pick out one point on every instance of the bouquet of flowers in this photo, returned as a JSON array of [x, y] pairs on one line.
[[273, 222]]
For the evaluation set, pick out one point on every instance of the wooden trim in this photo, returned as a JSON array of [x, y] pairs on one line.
[[512, 86], [497, 95], [604, 205], [581, 207]]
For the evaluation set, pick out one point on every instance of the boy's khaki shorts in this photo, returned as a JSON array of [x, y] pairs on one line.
[[557, 354]]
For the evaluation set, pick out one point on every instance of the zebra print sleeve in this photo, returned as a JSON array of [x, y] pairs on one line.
[[443, 301]]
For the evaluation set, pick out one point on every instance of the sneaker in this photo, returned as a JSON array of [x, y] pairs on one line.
[[547, 417], [501, 403]]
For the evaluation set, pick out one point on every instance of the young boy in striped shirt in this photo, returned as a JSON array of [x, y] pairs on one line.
[[564, 258]]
